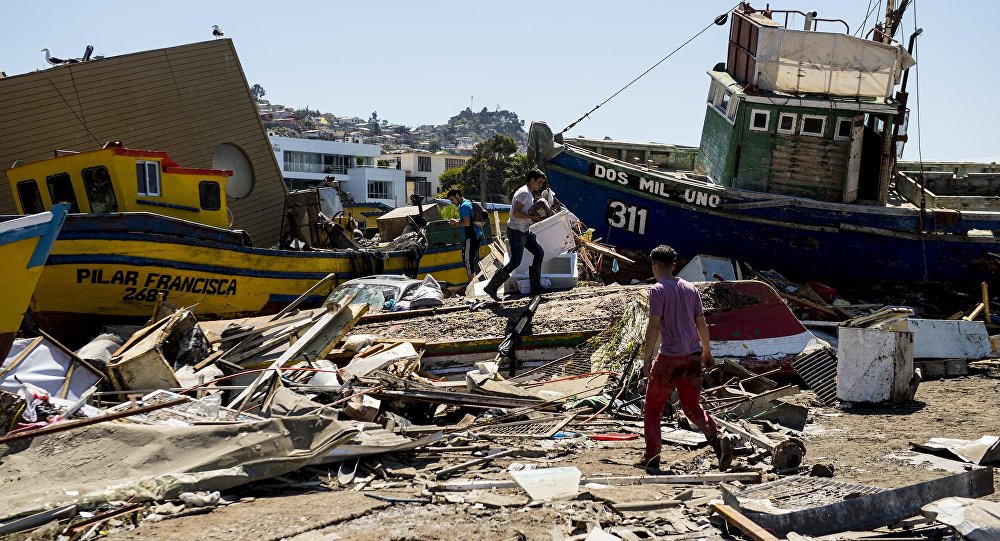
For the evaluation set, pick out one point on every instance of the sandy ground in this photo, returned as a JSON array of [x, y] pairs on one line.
[[856, 442]]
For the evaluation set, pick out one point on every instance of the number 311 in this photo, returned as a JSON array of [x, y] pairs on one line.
[[628, 217]]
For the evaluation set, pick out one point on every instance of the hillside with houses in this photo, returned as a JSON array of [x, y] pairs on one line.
[[459, 135]]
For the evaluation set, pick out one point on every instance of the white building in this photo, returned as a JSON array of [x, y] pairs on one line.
[[306, 162], [423, 169]]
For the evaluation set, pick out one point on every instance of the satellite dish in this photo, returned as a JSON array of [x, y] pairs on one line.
[[231, 157]]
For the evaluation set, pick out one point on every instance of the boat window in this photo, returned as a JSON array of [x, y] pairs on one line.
[[61, 190], [759, 120], [147, 176], [713, 90], [786, 122], [100, 190], [31, 198], [844, 126], [813, 125], [731, 109], [209, 195]]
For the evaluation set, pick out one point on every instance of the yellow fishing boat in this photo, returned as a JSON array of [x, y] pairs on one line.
[[24, 245], [141, 227]]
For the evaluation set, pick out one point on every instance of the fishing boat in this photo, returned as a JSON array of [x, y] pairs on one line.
[[143, 229], [795, 169], [24, 245]]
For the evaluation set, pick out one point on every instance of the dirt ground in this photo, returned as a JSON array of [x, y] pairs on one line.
[[859, 443]]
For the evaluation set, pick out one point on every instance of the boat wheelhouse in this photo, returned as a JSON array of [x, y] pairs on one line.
[[118, 179]]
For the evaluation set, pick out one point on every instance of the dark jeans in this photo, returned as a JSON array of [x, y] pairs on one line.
[[517, 241], [470, 254]]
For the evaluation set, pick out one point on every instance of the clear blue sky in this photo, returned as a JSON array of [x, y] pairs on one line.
[[421, 62]]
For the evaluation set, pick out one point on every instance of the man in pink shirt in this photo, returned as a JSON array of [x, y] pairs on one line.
[[677, 317]]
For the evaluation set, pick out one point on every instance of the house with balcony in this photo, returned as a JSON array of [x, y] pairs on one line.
[[423, 169], [356, 166]]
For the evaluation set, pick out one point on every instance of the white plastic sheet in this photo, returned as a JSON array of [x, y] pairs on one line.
[[427, 294]]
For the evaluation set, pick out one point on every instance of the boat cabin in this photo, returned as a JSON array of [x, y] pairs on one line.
[[119, 179], [802, 112]]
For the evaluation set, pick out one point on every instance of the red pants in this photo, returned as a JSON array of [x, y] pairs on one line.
[[669, 372]]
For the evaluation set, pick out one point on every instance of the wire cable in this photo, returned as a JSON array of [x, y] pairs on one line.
[[651, 68], [920, 140]]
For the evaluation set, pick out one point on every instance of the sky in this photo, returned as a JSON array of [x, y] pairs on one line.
[[421, 62]]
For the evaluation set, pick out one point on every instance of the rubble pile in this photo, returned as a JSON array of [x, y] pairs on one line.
[[525, 407]]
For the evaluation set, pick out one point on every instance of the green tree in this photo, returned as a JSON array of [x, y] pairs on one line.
[[258, 92], [497, 162], [373, 124], [455, 178], [516, 172]]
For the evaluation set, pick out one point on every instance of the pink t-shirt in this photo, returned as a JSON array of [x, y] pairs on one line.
[[677, 302]]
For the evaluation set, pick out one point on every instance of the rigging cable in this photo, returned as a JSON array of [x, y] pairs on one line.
[[719, 21], [920, 141], [861, 27]]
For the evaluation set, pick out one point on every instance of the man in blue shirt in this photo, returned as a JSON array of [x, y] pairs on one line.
[[473, 233]]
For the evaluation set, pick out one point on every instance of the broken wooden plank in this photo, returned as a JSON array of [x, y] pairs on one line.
[[708, 478], [758, 404], [264, 327], [332, 277], [975, 313], [474, 462], [461, 399], [810, 304], [315, 343], [364, 365], [651, 505], [745, 525]]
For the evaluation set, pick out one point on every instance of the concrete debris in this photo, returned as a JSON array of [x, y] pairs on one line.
[[818, 506]]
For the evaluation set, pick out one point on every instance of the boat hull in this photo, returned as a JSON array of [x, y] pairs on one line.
[[113, 267], [24, 246], [801, 238]]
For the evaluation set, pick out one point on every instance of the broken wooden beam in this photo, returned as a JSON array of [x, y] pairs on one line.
[[623, 480], [607, 251], [461, 399], [975, 313], [810, 304], [470, 463], [321, 337], [747, 526], [382, 317], [651, 505]]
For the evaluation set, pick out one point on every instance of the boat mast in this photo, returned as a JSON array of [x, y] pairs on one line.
[[890, 6], [888, 144]]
